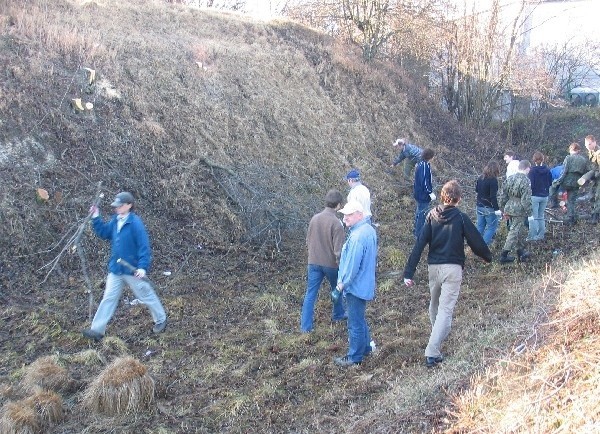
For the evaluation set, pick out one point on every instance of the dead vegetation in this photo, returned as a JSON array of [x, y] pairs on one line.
[[550, 381], [229, 133], [47, 374], [123, 387], [33, 415]]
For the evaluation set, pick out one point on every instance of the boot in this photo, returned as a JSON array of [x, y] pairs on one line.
[[570, 221], [595, 218], [505, 259], [523, 255]]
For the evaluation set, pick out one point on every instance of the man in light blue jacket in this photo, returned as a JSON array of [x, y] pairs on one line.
[[129, 242], [410, 154], [356, 279]]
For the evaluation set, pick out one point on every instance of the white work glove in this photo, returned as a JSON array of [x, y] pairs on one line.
[[498, 213], [140, 273], [581, 181], [432, 196], [94, 211], [408, 282]]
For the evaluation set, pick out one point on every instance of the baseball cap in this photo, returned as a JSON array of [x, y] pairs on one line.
[[352, 207], [353, 174], [122, 198]]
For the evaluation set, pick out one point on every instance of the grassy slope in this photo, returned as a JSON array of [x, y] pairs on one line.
[[229, 132]]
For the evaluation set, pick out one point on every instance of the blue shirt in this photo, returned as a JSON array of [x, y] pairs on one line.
[[541, 180], [556, 171], [357, 262]]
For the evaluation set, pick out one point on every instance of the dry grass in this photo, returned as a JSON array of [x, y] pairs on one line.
[[48, 405], [33, 415], [546, 385], [19, 418], [123, 387], [47, 374]]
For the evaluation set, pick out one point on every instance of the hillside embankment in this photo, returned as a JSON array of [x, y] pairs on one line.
[[228, 132]]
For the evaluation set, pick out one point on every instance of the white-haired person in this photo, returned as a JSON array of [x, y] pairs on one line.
[[356, 279]]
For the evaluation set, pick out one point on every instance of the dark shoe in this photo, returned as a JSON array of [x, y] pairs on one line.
[[595, 218], [505, 259], [430, 362], [160, 327], [91, 334], [523, 255], [571, 221], [344, 362]]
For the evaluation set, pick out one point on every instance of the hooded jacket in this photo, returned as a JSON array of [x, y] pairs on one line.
[[541, 180], [446, 229]]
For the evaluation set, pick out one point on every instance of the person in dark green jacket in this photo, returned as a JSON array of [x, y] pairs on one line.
[[515, 203], [574, 167]]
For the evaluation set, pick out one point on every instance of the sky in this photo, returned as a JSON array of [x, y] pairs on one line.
[[552, 22]]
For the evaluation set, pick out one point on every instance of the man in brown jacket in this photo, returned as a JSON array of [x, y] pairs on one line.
[[324, 239]]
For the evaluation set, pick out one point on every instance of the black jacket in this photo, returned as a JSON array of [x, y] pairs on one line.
[[446, 229], [487, 192]]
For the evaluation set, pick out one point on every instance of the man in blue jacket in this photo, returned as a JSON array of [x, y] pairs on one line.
[[356, 279], [129, 241], [423, 190]]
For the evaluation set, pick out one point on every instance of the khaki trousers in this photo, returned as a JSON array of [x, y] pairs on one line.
[[444, 287]]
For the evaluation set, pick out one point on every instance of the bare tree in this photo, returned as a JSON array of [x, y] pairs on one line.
[[476, 62], [569, 64]]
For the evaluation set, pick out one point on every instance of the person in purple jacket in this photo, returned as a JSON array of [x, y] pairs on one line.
[[129, 241], [541, 180]]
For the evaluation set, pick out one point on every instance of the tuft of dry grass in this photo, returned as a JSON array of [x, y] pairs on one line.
[[48, 405], [19, 418], [32, 415], [123, 387], [46, 373]]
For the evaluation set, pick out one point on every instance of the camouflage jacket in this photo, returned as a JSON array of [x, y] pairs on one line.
[[574, 167], [516, 195], [593, 166]]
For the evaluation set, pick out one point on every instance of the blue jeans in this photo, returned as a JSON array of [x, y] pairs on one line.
[[420, 213], [359, 337], [537, 227], [141, 289], [316, 274], [487, 223]]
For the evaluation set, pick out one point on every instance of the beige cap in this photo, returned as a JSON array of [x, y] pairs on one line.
[[352, 207]]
